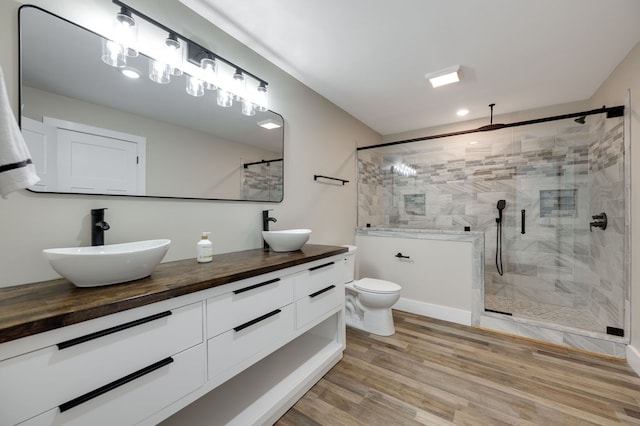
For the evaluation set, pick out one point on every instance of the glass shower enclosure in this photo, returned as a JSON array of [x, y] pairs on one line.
[[549, 256]]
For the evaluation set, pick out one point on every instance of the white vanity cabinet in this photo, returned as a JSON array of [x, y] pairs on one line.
[[239, 353], [248, 323], [318, 290], [104, 376]]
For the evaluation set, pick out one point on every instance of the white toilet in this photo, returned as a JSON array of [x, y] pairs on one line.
[[369, 300]]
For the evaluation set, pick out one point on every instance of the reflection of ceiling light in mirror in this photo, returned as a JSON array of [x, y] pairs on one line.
[[269, 124], [462, 112], [130, 73], [404, 170], [446, 76]]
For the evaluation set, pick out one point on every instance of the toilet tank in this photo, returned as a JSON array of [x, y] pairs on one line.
[[350, 264]]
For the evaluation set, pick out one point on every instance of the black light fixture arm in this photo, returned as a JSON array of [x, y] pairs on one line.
[[190, 43]]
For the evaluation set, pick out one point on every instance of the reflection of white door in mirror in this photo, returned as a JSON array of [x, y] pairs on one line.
[[87, 159], [41, 140]]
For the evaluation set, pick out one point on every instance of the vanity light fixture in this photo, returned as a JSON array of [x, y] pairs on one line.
[[159, 72], [224, 99], [205, 70], [269, 124], [174, 54], [195, 86], [123, 40], [239, 85], [262, 97], [208, 66], [248, 108], [445, 76], [114, 53]]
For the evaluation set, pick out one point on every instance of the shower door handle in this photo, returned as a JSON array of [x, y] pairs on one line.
[[522, 219]]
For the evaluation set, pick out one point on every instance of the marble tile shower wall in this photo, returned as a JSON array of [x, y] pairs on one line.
[[262, 182], [559, 174]]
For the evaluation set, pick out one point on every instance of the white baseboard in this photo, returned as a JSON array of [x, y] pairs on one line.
[[633, 358], [444, 313]]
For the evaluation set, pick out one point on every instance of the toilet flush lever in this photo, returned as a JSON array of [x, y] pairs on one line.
[[402, 256]]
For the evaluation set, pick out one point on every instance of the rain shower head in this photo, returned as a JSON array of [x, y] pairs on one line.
[[580, 120], [491, 126]]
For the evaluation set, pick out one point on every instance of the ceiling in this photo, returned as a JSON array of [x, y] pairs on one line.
[[369, 57]]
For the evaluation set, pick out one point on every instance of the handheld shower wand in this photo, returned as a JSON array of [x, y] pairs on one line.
[[501, 205]]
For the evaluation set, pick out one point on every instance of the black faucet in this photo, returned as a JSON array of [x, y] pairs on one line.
[[599, 221], [265, 224], [98, 226]]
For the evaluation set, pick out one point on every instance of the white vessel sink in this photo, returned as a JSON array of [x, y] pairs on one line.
[[287, 240], [108, 264]]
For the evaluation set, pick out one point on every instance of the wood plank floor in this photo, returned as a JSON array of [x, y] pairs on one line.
[[433, 372]]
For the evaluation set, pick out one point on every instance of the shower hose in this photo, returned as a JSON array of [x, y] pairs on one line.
[[499, 247]]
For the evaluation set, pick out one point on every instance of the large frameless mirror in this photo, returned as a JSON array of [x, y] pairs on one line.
[[92, 130]]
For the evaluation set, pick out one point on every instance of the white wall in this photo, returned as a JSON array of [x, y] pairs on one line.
[[319, 138], [613, 92]]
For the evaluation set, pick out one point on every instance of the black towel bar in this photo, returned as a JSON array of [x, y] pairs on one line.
[[316, 177]]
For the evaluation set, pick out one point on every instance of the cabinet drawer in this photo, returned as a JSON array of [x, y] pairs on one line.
[[316, 278], [316, 304], [43, 379], [261, 335], [134, 401], [245, 303]]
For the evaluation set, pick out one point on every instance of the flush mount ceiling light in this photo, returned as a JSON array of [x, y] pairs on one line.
[[445, 76], [180, 55], [462, 112], [269, 124]]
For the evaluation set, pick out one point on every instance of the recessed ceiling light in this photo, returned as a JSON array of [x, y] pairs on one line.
[[445, 76], [130, 72], [269, 124], [462, 112]]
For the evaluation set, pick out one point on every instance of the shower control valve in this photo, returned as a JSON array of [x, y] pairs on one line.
[[599, 221]]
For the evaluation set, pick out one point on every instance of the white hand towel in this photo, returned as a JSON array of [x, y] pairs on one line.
[[16, 168]]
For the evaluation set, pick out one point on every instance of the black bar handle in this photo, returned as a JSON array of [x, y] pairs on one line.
[[324, 290], [522, 220], [402, 256], [321, 266], [252, 287], [115, 384], [256, 320], [111, 330]]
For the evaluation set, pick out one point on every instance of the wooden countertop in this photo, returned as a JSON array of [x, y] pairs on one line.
[[35, 308]]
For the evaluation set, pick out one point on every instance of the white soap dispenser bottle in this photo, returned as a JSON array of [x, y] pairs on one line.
[[205, 248]]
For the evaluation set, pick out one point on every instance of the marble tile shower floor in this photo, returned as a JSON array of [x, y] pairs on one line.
[[577, 318]]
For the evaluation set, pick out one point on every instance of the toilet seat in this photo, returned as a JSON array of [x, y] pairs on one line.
[[373, 285]]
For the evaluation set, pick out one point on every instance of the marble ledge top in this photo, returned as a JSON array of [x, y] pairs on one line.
[[436, 234]]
